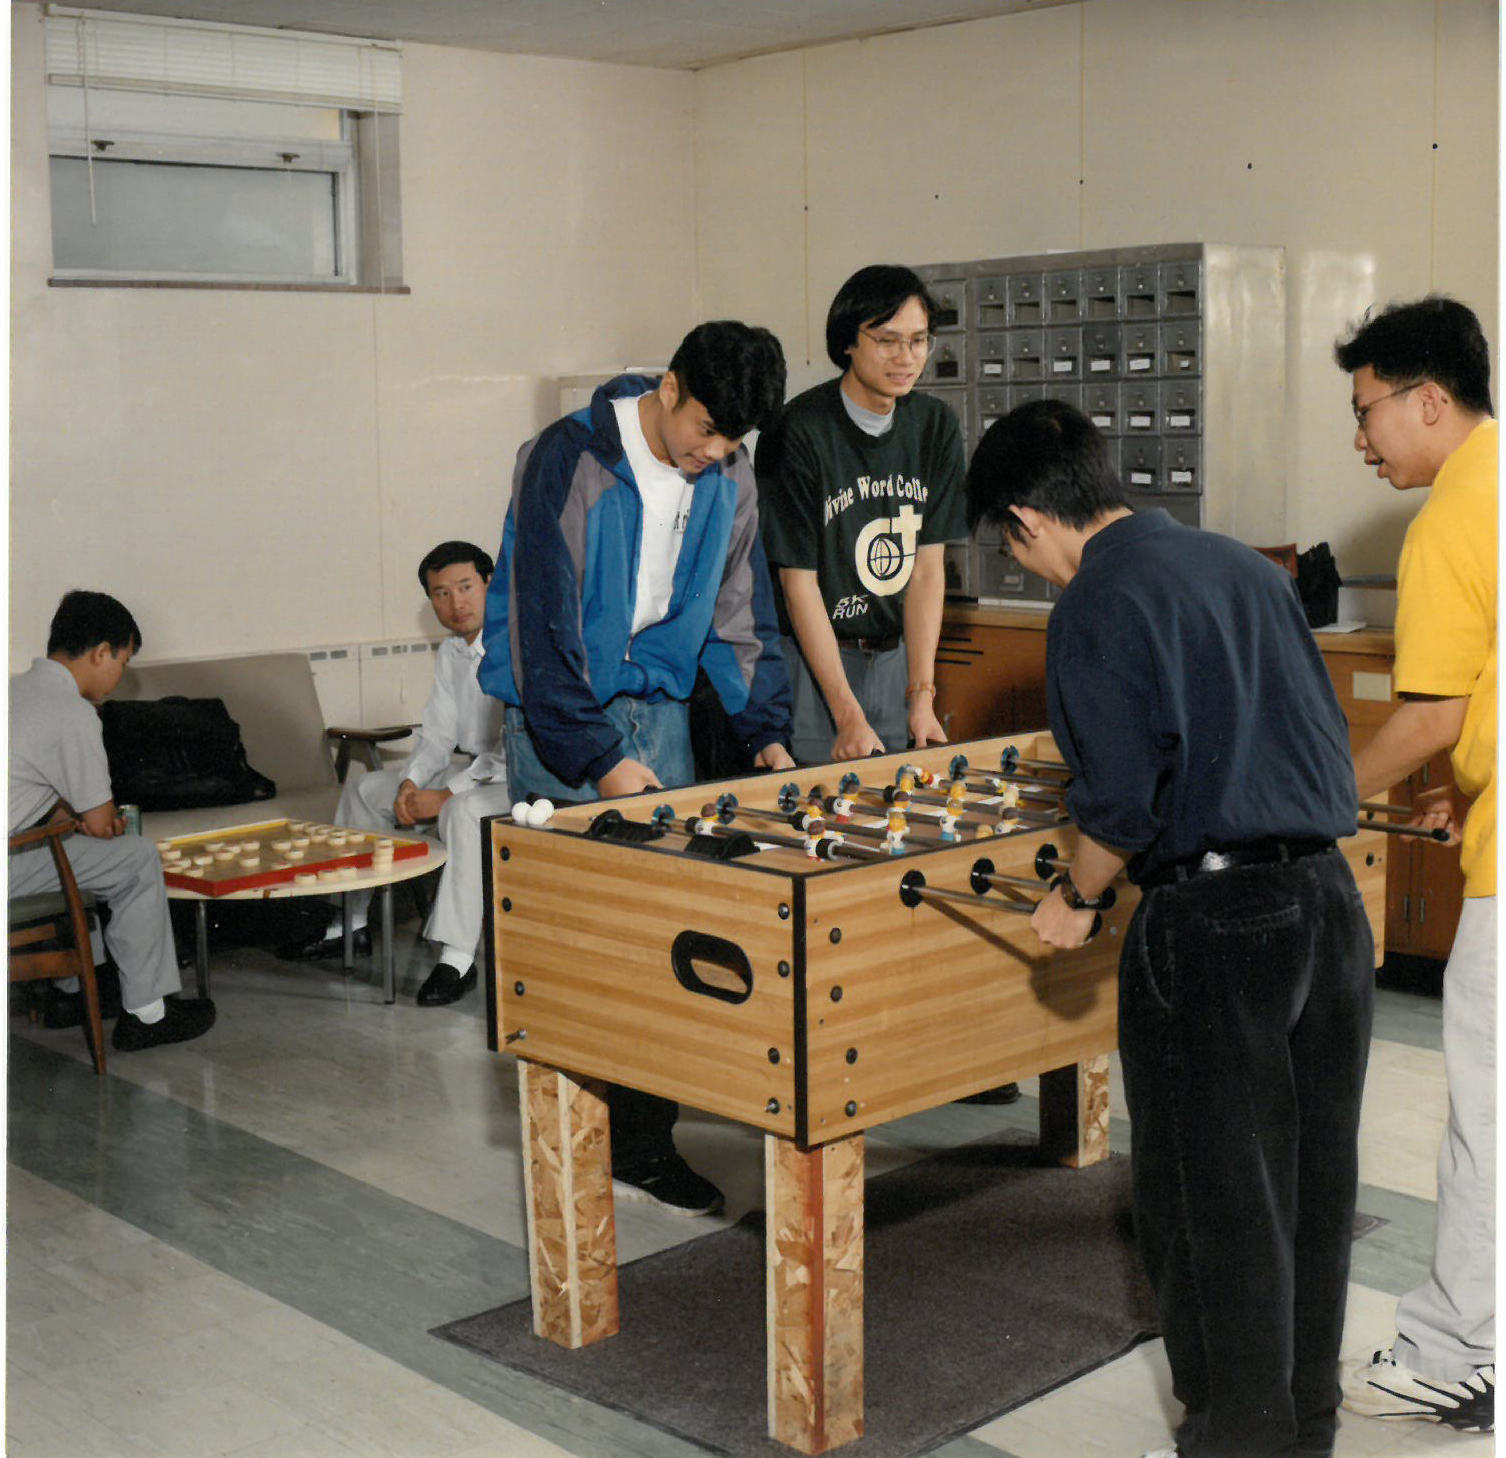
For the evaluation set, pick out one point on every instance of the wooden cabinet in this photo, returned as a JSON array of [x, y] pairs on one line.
[[1424, 885], [991, 675], [991, 679]]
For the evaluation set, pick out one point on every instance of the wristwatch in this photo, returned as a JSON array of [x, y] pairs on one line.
[[1076, 900]]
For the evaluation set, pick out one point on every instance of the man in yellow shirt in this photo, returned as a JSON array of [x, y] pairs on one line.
[[1421, 402]]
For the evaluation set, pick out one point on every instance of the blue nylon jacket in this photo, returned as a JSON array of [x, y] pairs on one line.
[[559, 610]]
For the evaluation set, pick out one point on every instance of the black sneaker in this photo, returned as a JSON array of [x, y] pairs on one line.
[[672, 1183], [185, 1018], [1005, 1093], [1383, 1388]]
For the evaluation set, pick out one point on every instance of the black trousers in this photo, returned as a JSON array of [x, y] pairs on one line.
[[1245, 1004], [642, 1128]]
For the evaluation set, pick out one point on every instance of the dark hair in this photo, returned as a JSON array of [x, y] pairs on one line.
[[450, 554], [1046, 455], [1436, 338], [873, 295], [735, 370], [84, 620]]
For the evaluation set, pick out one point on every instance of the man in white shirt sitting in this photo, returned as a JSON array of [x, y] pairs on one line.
[[432, 786]]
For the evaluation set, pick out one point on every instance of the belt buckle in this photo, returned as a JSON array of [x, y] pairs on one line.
[[1216, 861]]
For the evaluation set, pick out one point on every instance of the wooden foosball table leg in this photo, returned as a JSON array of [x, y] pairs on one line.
[[567, 1186], [813, 1246], [1074, 1110]]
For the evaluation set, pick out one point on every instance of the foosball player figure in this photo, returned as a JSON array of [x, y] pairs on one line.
[[841, 809], [894, 834], [813, 827]]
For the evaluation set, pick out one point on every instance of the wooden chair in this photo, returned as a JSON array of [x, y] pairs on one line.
[[54, 925]]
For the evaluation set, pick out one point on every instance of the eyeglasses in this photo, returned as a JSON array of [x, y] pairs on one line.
[[1362, 412], [891, 346]]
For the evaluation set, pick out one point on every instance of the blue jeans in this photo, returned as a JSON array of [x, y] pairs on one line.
[[658, 735], [1245, 1001]]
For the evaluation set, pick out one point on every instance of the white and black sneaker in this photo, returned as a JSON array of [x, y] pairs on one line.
[[670, 1182], [1383, 1388]]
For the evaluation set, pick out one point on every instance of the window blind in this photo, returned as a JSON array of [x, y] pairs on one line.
[[187, 57]]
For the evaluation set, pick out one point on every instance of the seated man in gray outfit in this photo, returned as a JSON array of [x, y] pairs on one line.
[[432, 787], [58, 768]]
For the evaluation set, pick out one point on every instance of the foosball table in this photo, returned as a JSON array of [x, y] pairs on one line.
[[811, 953]]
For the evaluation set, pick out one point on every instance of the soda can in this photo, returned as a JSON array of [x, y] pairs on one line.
[[131, 814]]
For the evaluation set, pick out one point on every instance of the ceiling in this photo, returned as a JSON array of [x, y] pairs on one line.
[[681, 34]]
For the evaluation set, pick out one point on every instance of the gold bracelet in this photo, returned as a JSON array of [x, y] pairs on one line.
[[920, 688]]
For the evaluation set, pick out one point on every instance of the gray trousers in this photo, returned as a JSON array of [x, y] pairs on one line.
[[878, 682], [126, 874], [1446, 1327], [366, 804]]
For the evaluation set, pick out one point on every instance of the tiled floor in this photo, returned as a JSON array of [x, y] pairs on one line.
[[220, 1275]]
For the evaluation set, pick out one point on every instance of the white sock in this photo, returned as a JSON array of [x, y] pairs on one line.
[[153, 1012], [460, 961], [336, 928], [67, 984]]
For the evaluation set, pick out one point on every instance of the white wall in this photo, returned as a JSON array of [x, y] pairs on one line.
[[1310, 124], [252, 470]]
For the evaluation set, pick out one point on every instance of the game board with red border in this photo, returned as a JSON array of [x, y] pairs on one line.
[[227, 873]]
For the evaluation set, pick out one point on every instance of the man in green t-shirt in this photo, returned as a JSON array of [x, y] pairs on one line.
[[860, 487]]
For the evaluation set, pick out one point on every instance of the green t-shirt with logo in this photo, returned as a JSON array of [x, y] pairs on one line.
[[854, 508]]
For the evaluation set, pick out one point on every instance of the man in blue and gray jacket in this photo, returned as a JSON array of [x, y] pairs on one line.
[[631, 558]]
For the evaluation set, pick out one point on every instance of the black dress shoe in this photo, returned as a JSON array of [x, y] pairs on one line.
[[320, 947], [185, 1018], [445, 985]]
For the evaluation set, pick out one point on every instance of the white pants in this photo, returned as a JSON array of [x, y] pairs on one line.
[[1447, 1326], [366, 804], [126, 874]]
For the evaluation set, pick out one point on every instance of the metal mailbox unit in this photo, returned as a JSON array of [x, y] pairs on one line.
[[1176, 352]]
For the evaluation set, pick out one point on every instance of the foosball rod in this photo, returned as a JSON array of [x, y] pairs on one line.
[[1437, 833], [826, 847], [890, 794], [913, 889], [1033, 817], [724, 813], [1011, 757], [1378, 807]]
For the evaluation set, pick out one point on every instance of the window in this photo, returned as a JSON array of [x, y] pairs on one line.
[[190, 153]]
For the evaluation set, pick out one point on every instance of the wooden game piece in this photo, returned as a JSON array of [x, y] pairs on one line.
[[203, 860], [282, 846], [305, 878], [250, 863], [294, 853], [300, 842], [224, 856]]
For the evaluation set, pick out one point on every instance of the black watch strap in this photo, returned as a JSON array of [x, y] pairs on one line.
[[1076, 900]]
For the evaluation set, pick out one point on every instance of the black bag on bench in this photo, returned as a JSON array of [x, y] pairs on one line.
[[178, 754]]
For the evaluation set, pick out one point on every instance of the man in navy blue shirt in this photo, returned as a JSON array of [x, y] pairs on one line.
[[1210, 759]]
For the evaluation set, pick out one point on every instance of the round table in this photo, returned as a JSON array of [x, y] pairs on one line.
[[367, 879]]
